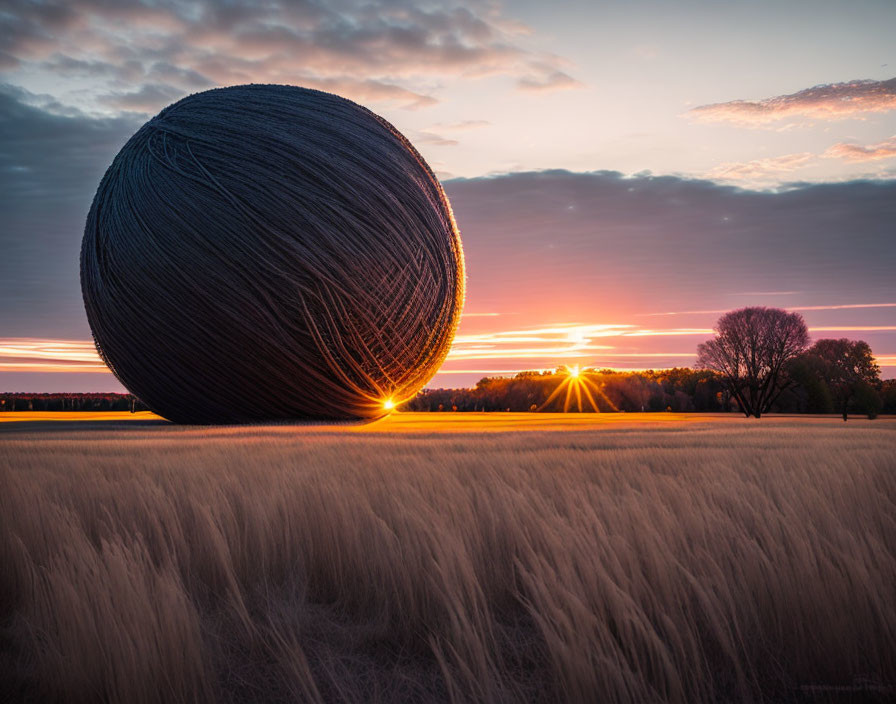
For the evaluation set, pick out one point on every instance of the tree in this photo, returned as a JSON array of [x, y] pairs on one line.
[[750, 351], [850, 371], [888, 396], [810, 393]]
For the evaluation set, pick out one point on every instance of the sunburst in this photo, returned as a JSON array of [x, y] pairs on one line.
[[576, 384]]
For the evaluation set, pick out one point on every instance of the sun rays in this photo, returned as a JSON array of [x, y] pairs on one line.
[[577, 387]]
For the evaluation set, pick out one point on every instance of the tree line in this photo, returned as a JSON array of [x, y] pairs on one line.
[[679, 389], [70, 402]]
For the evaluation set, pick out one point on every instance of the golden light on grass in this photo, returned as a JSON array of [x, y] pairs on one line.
[[660, 557]]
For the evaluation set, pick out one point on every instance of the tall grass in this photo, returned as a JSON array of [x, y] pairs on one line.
[[701, 563]]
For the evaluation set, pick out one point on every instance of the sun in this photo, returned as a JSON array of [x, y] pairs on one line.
[[389, 404], [577, 385]]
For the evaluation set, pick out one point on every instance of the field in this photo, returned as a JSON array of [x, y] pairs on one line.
[[449, 557]]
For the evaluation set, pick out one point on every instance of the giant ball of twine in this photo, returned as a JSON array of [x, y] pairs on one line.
[[262, 252]]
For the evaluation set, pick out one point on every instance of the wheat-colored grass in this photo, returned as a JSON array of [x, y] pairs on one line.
[[629, 561]]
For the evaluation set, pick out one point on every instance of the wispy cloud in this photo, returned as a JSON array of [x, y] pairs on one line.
[[45, 355], [434, 135], [462, 126], [840, 306], [437, 140], [831, 101], [854, 328], [535, 348], [767, 293], [772, 168], [858, 152], [583, 340], [559, 341], [760, 169], [547, 82]]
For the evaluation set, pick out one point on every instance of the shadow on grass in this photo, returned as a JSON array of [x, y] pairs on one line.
[[114, 424]]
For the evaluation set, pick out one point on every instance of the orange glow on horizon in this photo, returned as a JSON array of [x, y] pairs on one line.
[[596, 345], [576, 384]]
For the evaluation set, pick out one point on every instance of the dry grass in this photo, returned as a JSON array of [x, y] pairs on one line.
[[692, 561]]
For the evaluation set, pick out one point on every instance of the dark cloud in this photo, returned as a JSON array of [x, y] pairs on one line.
[[604, 242], [147, 99], [138, 53], [164, 71], [68, 67], [50, 165], [8, 61]]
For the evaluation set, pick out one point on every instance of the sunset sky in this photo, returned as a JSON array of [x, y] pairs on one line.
[[622, 172]]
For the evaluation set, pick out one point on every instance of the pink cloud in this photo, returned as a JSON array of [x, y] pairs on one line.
[[545, 82], [463, 126], [857, 152], [832, 101], [759, 169], [437, 140]]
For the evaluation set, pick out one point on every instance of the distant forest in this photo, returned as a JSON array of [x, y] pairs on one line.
[[70, 402], [680, 389]]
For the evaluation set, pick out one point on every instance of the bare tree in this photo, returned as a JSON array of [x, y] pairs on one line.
[[750, 349], [848, 365]]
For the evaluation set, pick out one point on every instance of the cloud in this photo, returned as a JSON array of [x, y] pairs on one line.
[[147, 99], [840, 306], [832, 101], [767, 293], [760, 169], [551, 248], [595, 344], [134, 55], [426, 137], [370, 90], [51, 162], [546, 82], [463, 126], [558, 245], [857, 152], [53, 151], [48, 355], [432, 135], [770, 169]]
